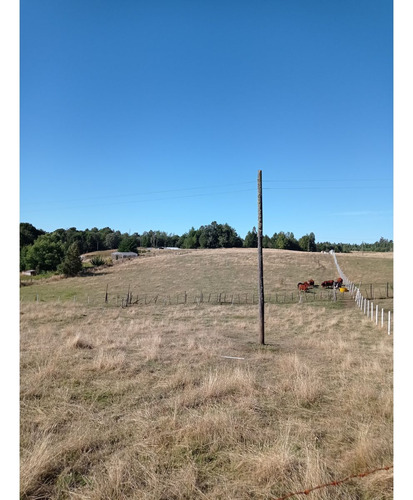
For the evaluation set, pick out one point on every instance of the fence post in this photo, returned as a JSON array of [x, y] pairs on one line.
[[382, 317], [388, 325], [372, 307], [377, 314]]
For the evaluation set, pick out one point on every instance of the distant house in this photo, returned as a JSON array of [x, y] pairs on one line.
[[123, 255], [30, 272]]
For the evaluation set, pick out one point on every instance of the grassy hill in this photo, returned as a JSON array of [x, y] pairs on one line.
[[181, 401]]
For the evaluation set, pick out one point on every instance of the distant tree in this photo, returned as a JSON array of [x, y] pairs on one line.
[[208, 236], [146, 239], [190, 239], [251, 239], [303, 242], [172, 240], [73, 235], [159, 239], [23, 254], [59, 235], [103, 233], [228, 237], [28, 234], [281, 241], [112, 240], [383, 245], [292, 243], [324, 246], [45, 254], [72, 264], [128, 244], [266, 241], [93, 240], [312, 247], [307, 243]]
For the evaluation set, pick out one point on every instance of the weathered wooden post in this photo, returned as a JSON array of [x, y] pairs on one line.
[[260, 264]]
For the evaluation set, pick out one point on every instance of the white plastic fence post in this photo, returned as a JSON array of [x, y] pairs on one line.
[[382, 317], [372, 308], [388, 325], [377, 314]]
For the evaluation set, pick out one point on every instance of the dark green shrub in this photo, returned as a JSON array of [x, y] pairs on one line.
[[97, 260]]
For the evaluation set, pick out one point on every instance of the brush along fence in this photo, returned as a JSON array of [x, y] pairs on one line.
[[366, 302], [226, 298]]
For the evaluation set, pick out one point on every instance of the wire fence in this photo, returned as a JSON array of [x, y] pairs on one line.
[[130, 298], [366, 302]]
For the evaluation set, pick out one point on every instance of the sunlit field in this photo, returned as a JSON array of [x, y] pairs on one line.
[[180, 401]]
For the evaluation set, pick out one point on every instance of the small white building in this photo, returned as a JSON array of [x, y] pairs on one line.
[[123, 255], [30, 272]]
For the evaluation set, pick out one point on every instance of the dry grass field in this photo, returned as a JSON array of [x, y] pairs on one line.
[[231, 271], [151, 402]]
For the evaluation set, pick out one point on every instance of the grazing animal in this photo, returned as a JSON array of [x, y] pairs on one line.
[[311, 282], [303, 287], [327, 284]]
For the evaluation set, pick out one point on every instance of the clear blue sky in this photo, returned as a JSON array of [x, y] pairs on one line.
[[158, 114]]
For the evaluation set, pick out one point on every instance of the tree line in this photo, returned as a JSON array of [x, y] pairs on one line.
[[60, 250]]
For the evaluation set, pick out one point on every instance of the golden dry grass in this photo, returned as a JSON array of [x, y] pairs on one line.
[[367, 267], [140, 403], [232, 271]]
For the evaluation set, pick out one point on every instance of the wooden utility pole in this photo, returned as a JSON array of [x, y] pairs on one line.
[[260, 265]]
